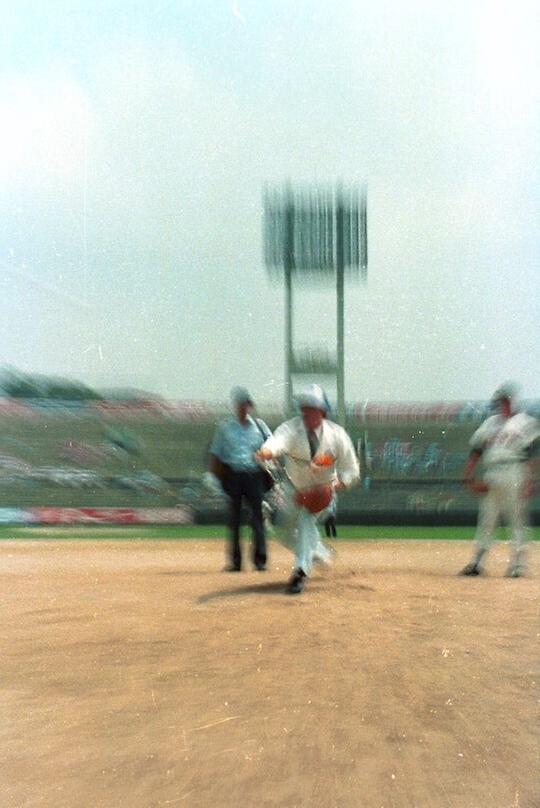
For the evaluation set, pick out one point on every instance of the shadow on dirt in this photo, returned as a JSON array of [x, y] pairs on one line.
[[270, 587], [277, 587]]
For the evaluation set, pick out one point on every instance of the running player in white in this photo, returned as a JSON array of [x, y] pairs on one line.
[[506, 442], [318, 455]]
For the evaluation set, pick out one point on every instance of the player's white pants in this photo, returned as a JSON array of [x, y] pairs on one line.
[[504, 499], [299, 531]]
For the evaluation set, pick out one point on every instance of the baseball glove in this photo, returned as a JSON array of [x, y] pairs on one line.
[[477, 486], [324, 460], [315, 499]]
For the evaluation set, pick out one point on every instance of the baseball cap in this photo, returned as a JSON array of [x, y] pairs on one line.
[[508, 390], [314, 396], [240, 395]]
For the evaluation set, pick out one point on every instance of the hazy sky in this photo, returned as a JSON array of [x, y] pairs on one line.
[[136, 137]]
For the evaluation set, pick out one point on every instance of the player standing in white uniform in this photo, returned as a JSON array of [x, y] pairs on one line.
[[506, 442], [319, 459]]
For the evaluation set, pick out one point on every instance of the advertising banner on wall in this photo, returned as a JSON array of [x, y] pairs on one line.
[[97, 516]]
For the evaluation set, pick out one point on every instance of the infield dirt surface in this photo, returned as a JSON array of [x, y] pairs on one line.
[[138, 675]]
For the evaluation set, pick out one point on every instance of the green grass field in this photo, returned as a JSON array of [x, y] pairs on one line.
[[180, 532]]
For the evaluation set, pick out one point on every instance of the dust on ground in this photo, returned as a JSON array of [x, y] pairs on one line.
[[138, 675]]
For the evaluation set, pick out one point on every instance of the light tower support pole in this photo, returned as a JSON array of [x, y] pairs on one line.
[[340, 307], [288, 266]]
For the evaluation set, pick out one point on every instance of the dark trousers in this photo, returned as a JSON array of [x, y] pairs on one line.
[[330, 526], [244, 485]]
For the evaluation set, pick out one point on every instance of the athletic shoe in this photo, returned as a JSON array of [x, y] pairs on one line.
[[296, 582], [515, 571], [471, 569], [232, 568]]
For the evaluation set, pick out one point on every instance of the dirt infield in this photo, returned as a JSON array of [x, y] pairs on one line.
[[137, 675]]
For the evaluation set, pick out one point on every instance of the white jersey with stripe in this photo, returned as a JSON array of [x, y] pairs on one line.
[[290, 440], [506, 440]]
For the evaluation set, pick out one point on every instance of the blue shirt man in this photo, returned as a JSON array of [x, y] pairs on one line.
[[237, 439], [232, 457]]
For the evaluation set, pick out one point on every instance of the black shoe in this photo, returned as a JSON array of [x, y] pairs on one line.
[[471, 569], [296, 583], [515, 571], [232, 568], [260, 567]]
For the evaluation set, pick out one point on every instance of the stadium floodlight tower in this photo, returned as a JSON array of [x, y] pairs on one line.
[[313, 235]]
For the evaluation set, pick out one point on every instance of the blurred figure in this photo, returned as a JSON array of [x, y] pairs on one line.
[[506, 443], [232, 460], [329, 519], [319, 459]]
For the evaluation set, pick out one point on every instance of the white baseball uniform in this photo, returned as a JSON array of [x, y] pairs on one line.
[[290, 441], [505, 445]]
